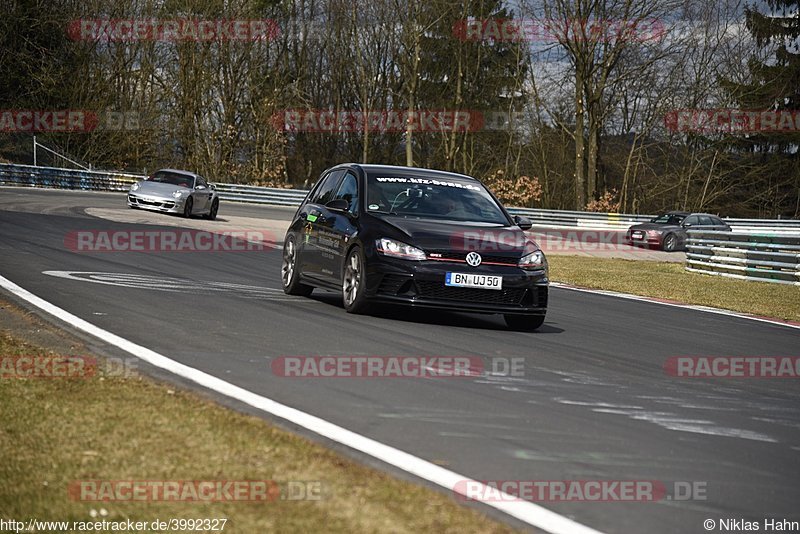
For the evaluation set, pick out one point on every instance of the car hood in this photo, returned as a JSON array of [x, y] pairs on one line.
[[654, 226], [457, 236], [158, 189]]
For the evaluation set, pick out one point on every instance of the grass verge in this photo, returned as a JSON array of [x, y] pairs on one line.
[[54, 431], [672, 281]]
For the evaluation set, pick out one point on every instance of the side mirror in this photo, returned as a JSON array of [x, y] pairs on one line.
[[523, 222], [200, 187], [338, 204], [687, 225]]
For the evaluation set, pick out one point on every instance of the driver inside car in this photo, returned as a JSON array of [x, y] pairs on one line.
[[452, 207]]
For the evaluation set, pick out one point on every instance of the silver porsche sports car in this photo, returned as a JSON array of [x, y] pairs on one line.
[[174, 191]]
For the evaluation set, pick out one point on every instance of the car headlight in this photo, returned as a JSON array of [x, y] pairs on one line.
[[135, 187], [178, 194], [654, 233], [535, 261], [398, 249]]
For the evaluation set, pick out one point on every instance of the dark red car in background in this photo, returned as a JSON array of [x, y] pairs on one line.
[[668, 231]]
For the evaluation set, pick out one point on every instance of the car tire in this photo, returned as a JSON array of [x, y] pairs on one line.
[[289, 272], [212, 213], [524, 323], [354, 284], [187, 208], [670, 243]]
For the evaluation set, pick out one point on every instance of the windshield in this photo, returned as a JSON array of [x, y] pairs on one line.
[[668, 218], [447, 198], [181, 180]]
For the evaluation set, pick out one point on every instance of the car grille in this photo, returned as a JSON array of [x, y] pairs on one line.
[[538, 296], [399, 285], [434, 290], [143, 202], [391, 283], [460, 257]]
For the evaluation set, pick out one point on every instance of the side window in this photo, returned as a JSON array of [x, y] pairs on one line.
[[717, 221], [705, 221], [201, 181], [324, 192], [349, 192], [693, 220]]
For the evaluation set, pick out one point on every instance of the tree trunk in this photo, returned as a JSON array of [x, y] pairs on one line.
[[580, 151], [593, 154], [411, 101]]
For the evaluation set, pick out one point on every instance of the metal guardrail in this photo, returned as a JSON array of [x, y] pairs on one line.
[[622, 221], [55, 177], [619, 221], [261, 195], [27, 175], [761, 257]]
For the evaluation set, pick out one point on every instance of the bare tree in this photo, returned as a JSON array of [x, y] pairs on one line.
[[595, 36]]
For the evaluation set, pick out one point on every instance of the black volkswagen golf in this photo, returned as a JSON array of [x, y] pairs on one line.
[[414, 237]]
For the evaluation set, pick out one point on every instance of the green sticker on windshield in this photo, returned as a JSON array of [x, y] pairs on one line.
[[311, 217]]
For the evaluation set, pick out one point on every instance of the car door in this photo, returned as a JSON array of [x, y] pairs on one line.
[[202, 195], [313, 242], [692, 222], [189, 184], [340, 226]]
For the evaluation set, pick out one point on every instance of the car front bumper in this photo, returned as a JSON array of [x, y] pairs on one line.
[[163, 205], [645, 241], [422, 283]]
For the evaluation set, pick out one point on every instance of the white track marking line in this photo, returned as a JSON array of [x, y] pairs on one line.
[[525, 511], [653, 300]]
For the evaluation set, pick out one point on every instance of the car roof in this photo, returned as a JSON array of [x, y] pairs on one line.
[[371, 168], [690, 213], [178, 171]]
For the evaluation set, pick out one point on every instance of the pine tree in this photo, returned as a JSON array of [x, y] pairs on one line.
[[775, 84]]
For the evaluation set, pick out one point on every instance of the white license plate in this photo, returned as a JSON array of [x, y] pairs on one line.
[[637, 234], [473, 280]]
